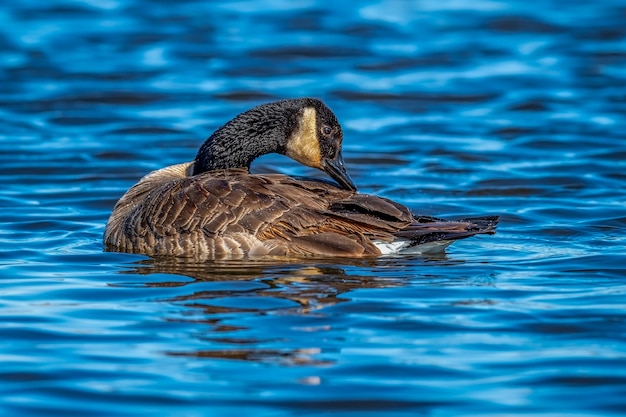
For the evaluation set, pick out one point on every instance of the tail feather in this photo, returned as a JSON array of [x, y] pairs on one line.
[[431, 229], [483, 224]]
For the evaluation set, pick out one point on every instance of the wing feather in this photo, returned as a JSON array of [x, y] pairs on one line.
[[217, 213]]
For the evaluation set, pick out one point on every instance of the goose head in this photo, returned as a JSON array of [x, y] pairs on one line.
[[303, 129]]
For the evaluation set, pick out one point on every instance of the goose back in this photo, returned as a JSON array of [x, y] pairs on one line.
[[232, 213]]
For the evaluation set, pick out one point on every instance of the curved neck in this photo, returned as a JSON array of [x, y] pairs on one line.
[[259, 131]]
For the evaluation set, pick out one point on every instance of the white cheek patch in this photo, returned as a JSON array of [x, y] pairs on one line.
[[303, 145]]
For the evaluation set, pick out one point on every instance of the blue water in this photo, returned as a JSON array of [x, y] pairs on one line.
[[452, 107]]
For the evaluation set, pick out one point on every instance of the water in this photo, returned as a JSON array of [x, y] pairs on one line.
[[454, 108]]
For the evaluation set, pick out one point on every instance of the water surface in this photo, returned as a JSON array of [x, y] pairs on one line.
[[453, 108]]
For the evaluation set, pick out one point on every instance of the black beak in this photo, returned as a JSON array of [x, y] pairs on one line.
[[337, 171]]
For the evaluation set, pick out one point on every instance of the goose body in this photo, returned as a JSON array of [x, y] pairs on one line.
[[213, 207]]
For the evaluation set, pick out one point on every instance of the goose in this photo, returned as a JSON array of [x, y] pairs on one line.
[[213, 207]]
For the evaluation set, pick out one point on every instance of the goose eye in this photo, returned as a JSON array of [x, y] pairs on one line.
[[326, 130]]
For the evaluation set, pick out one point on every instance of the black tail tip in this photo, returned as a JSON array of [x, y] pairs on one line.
[[483, 224]]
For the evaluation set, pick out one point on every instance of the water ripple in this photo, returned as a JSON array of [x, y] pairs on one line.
[[454, 108]]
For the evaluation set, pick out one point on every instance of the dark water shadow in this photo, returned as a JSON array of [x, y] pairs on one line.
[[223, 299]]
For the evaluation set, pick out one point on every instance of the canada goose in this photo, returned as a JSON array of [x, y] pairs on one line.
[[213, 207]]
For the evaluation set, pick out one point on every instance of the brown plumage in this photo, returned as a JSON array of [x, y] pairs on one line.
[[213, 207]]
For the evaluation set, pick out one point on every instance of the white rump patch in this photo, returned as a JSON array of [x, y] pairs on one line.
[[402, 247]]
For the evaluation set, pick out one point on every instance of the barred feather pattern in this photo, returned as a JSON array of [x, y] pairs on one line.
[[232, 213]]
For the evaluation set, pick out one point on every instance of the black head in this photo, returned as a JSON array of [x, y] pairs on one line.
[[316, 141], [303, 129]]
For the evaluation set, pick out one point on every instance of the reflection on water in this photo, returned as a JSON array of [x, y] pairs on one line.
[[453, 108], [228, 311], [280, 286]]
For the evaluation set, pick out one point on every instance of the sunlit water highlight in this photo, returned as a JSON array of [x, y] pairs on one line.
[[454, 108]]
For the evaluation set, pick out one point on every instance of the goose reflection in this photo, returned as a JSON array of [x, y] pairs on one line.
[[310, 287], [229, 313]]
